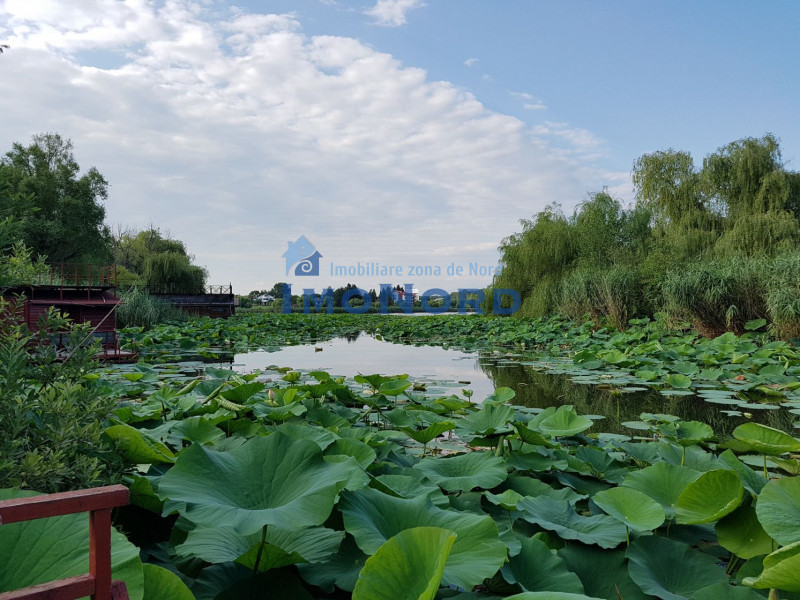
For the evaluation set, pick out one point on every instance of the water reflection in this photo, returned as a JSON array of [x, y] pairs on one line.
[[448, 371], [540, 390]]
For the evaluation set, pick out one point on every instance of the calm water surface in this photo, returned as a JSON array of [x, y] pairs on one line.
[[451, 370]]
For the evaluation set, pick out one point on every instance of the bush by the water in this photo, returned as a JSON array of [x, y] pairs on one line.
[[714, 245], [140, 309]]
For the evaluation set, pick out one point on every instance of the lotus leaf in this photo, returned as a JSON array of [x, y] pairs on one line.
[[766, 440], [537, 568], [671, 570], [271, 480], [560, 517], [407, 566], [464, 472], [33, 552], [372, 517], [559, 422], [663, 482], [633, 508], [778, 510], [709, 497]]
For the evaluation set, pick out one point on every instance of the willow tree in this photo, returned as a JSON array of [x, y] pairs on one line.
[[668, 185], [534, 260], [746, 177], [172, 272]]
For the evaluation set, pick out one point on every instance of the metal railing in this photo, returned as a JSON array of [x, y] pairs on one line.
[[79, 275]]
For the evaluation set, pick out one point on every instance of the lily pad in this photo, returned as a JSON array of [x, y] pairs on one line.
[[271, 480], [635, 509], [372, 517], [671, 570], [709, 497], [778, 510], [408, 566], [464, 472]]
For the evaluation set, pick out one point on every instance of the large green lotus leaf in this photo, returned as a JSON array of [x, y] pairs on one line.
[[678, 381], [224, 544], [725, 591], [559, 422], [636, 510], [394, 387], [560, 517], [33, 552], [529, 436], [489, 419], [340, 570], [766, 440], [464, 472], [241, 393], [602, 572], [781, 570], [161, 584], [663, 482], [500, 395], [530, 486], [537, 569], [410, 485], [372, 517], [507, 500], [300, 431], [137, 447], [198, 430], [742, 534], [687, 433], [671, 570], [709, 497], [778, 510], [364, 454], [429, 433], [271, 480], [753, 482], [407, 566]]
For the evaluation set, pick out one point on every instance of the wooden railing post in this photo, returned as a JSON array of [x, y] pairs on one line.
[[98, 502], [100, 553]]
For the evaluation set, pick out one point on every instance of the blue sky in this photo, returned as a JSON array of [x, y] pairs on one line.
[[388, 131]]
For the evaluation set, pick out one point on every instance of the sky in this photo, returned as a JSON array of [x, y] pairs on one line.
[[394, 134]]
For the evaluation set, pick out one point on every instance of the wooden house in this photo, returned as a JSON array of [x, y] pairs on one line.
[[86, 293]]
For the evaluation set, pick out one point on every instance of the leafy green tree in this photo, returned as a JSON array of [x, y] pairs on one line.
[[162, 263], [17, 263], [59, 210]]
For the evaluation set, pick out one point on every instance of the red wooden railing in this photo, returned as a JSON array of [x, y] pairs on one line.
[[98, 502]]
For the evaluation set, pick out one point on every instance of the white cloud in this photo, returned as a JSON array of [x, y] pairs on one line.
[[470, 61], [240, 133], [529, 102], [392, 13]]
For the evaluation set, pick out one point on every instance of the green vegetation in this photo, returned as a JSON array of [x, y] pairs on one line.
[[140, 309], [146, 258], [59, 211], [51, 417], [716, 246], [374, 485]]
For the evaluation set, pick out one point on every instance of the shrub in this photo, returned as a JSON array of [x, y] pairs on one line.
[[140, 309], [718, 296], [52, 417], [783, 295]]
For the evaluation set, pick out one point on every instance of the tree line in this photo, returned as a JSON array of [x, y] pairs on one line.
[[51, 213], [716, 245]]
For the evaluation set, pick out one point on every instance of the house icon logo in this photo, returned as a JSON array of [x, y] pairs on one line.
[[303, 254]]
